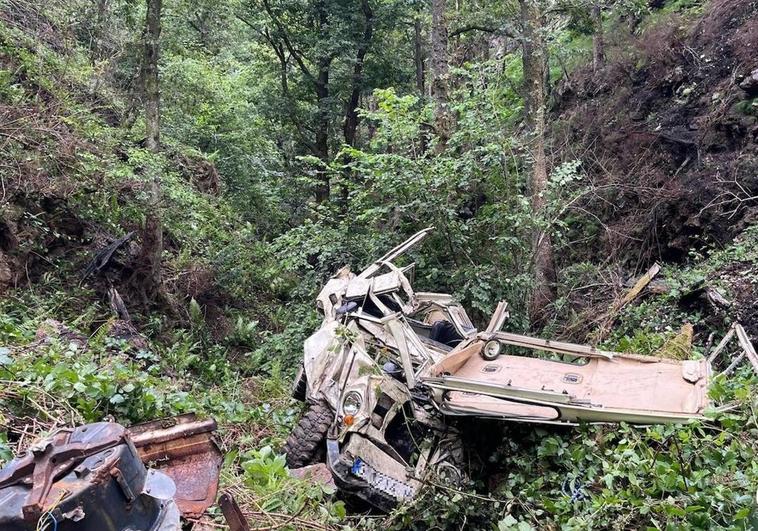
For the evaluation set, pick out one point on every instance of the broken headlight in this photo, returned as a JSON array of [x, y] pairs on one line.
[[491, 349], [352, 403]]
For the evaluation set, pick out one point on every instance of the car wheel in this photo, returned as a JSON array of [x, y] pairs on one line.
[[306, 444], [299, 386]]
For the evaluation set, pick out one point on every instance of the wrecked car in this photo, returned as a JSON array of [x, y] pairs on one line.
[[390, 369], [103, 476]]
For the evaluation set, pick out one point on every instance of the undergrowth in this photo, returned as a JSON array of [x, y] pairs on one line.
[[244, 277]]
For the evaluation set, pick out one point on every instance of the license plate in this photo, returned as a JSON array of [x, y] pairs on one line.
[[387, 484]]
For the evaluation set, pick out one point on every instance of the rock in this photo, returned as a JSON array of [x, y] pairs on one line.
[[318, 473], [125, 331], [750, 83], [658, 287], [51, 329]]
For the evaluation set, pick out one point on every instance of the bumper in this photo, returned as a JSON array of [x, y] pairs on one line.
[[361, 468]]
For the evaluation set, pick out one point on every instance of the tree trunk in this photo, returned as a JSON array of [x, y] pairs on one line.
[[418, 56], [152, 94], [152, 237], [321, 144], [351, 110], [598, 40], [350, 126], [321, 85], [96, 44], [440, 74], [534, 64]]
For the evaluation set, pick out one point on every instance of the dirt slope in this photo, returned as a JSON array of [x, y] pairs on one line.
[[668, 133]]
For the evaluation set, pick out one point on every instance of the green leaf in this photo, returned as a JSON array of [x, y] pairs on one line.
[[507, 523], [339, 510], [117, 399]]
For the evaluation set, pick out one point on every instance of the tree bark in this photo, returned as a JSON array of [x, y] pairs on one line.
[[321, 145], [152, 93], [152, 236], [534, 59], [598, 39], [440, 74], [351, 109], [350, 125], [96, 44], [418, 56], [322, 103]]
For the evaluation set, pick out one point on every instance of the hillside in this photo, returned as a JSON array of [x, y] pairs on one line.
[[671, 122], [651, 157]]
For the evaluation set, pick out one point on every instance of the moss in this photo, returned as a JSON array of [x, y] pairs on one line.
[[678, 347], [747, 107]]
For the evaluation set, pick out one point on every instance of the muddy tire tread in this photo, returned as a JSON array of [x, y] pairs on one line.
[[299, 388], [306, 442]]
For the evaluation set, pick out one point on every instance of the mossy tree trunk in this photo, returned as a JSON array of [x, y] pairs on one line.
[[443, 120], [418, 56], [152, 236], [357, 85], [534, 59]]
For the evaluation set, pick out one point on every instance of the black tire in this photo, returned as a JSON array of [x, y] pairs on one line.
[[490, 357], [306, 444], [299, 387]]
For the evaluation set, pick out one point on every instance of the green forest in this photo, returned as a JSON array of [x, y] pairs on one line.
[[179, 179]]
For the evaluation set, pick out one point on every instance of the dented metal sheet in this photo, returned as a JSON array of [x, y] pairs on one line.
[[88, 478], [391, 365], [183, 448]]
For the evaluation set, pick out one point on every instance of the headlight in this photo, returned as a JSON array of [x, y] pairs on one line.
[[351, 405], [491, 349]]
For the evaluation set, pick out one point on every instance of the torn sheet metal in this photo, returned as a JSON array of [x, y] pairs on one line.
[[183, 448], [598, 386], [396, 252], [409, 360], [559, 347], [88, 478]]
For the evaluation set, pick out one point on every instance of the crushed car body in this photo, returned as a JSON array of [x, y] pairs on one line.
[[105, 477], [390, 368]]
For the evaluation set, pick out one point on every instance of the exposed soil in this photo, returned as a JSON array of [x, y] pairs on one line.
[[668, 138]]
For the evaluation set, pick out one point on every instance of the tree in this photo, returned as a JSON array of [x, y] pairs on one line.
[[418, 56], [534, 60], [351, 111], [598, 40], [152, 92], [323, 50], [314, 67], [443, 120], [152, 235]]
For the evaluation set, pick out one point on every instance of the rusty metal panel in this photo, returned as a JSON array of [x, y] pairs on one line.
[[183, 448], [88, 478]]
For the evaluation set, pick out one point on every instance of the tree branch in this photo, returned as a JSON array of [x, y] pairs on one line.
[[508, 32], [297, 56]]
